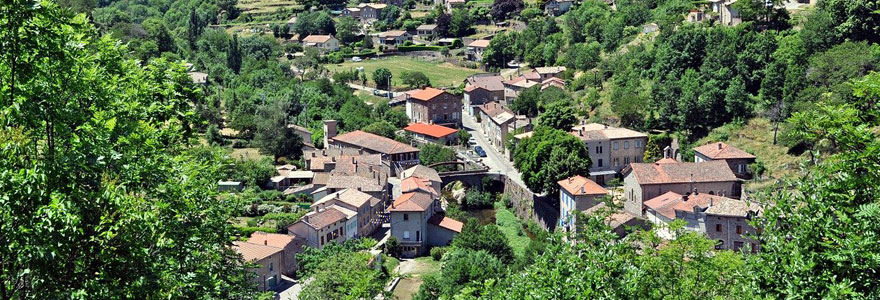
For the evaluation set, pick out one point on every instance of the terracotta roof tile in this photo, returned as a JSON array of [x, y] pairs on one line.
[[426, 94], [594, 131], [432, 130], [712, 171], [479, 44], [254, 252], [413, 184], [721, 150], [444, 222], [271, 239], [413, 201], [374, 142], [351, 197], [579, 185], [317, 38], [324, 218], [423, 172]]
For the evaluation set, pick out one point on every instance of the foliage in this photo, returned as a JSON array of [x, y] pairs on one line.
[[347, 29], [504, 9], [431, 153], [345, 277], [548, 156], [381, 77], [317, 22], [487, 238], [415, 80], [311, 259], [381, 128], [438, 252], [273, 136], [476, 199], [462, 268], [558, 115], [463, 136], [419, 48], [99, 190], [500, 51], [459, 23]]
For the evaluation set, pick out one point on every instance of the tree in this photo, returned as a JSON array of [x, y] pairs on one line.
[[382, 78], [382, 128], [233, 55], [652, 150], [444, 22], [459, 23], [558, 115], [527, 101], [156, 31], [487, 238], [504, 9], [194, 30], [463, 136], [431, 153], [500, 51], [853, 20], [548, 156], [415, 80], [347, 29], [317, 22], [347, 276], [101, 188], [462, 270], [273, 136], [213, 135]]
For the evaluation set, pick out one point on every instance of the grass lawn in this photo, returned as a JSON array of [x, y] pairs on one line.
[[440, 74], [413, 272], [512, 228], [247, 153], [756, 137]]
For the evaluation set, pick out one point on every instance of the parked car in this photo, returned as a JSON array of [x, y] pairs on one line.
[[472, 141], [479, 151], [380, 93], [356, 59]]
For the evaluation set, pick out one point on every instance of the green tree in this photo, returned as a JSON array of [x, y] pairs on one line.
[[194, 30], [558, 115], [100, 190], [504, 9], [415, 80], [463, 270], [652, 150], [382, 128], [233, 55], [381, 77], [548, 156], [463, 136], [487, 238], [347, 29], [459, 23], [500, 51], [273, 136], [431, 153], [345, 277], [527, 101]]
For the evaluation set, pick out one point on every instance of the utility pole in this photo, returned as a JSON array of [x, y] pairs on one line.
[[390, 97]]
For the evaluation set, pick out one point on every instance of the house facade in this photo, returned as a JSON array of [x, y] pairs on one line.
[[482, 88], [366, 207], [398, 156], [495, 120], [434, 106], [323, 42], [267, 274], [321, 227], [738, 160], [476, 48], [392, 38], [577, 194], [371, 11], [726, 14], [644, 181], [290, 245], [557, 7], [427, 31], [611, 148]]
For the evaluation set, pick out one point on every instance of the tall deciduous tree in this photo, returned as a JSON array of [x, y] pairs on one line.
[[504, 9], [548, 156], [273, 136], [382, 78], [233, 55]]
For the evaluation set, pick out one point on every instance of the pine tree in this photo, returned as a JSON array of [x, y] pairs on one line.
[[194, 29], [233, 54]]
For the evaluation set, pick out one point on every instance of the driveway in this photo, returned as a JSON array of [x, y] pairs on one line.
[[496, 162]]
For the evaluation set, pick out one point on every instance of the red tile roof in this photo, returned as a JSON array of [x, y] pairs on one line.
[[412, 184], [579, 185], [374, 142], [444, 222], [721, 150], [666, 160], [426, 94], [479, 44], [317, 38], [712, 171], [254, 252], [271, 239], [325, 217], [413, 201], [423, 172], [670, 202], [432, 130]]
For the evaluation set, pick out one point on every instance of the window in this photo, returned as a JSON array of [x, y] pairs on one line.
[[271, 267], [754, 248], [743, 168], [737, 245], [638, 144], [625, 144], [626, 160], [616, 146], [598, 149], [406, 217], [322, 240], [739, 229], [406, 235], [418, 237], [600, 162], [616, 161], [637, 159], [718, 227]]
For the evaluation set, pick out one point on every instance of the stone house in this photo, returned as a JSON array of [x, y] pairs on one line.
[[268, 261], [392, 38], [325, 43], [482, 88], [434, 106], [321, 227], [290, 245], [722, 219], [611, 148], [726, 14], [545, 73], [738, 160], [353, 12], [364, 205], [398, 156], [495, 122], [644, 181], [427, 31], [577, 194], [430, 133], [371, 11], [418, 225]]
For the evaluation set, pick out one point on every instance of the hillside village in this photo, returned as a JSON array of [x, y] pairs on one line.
[[445, 149]]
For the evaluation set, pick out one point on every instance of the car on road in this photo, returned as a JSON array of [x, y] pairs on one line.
[[479, 150], [356, 59], [380, 93], [472, 141]]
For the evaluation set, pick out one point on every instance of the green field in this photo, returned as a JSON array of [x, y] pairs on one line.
[[512, 228], [440, 74]]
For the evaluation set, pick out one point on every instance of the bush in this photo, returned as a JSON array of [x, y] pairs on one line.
[[392, 247], [478, 199], [419, 48], [247, 231], [239, 144], [437, 252]]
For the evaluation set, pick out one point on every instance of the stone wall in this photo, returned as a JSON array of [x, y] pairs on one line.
[[528, 206]]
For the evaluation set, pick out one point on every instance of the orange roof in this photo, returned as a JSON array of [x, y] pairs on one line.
[[721, 150], [670, 202], [413, 201], [579, 185], [432, 130], [426, 94], [271, 239], [254, 252], [412, 184], [667, 160], [374, 142], [479, 44], [317, 38], [444, 222]]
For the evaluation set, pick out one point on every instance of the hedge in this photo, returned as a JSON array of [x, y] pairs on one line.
[[362, 54], [418, 48], [247, 231]]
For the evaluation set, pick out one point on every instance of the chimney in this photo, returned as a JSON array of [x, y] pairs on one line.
[[266, 242], [582, 190], [695, 191], [711, 201], [719, 145], [684, 197], [329, 132]]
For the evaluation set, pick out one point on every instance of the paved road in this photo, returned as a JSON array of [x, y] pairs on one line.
[[494, 159], [370, 90]]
